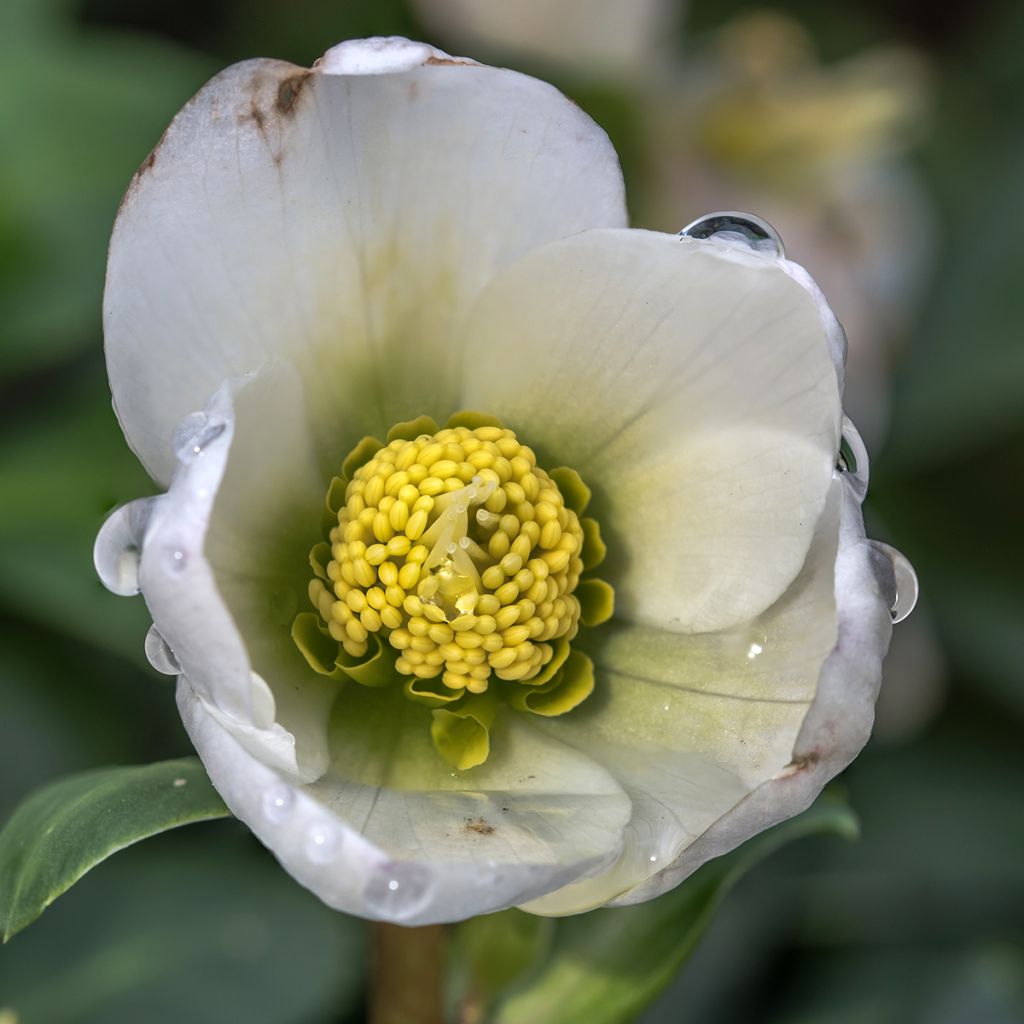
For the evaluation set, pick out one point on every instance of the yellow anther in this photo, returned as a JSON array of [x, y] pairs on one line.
[[391, 617], [356, 631], [550, 535], [440, 633], [375, 554], [511, 564], [399, 546], [502, 658], [493, 577], [398, 516], [408, 575], [416, 524], [370, 620], [516, 635], [508, 616], [461, 551]]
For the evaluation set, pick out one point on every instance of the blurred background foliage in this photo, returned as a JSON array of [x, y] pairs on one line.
[[885, 140]]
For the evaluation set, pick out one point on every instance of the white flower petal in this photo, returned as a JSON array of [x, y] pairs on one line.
[[377, 806], [692, 387], [838, 723], [382, 55], [264, 521], [391, 833], [343, 222], [776, 710], [185, 594], [699, 728]]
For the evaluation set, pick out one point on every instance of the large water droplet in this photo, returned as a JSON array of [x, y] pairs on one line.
[[277, 804], [194, 434], [853, 460], [160, 655], [733, 226], [897, 578], [398, 891], [118, 546], [322, 842]]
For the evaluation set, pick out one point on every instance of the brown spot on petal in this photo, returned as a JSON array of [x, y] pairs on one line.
[[144, 168], [802, 762], [436, 60], [480, 827], [257, 117], [289, 90], [148, 162]]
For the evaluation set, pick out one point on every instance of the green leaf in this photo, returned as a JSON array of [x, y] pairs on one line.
[[198, 928], [490, 954], [607, 965], [62, 830]]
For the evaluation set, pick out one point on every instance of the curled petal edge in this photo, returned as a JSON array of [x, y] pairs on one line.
[[340, 865], [180, 590], [382, 55]]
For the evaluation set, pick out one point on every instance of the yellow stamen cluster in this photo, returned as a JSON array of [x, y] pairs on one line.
[[463, 551]]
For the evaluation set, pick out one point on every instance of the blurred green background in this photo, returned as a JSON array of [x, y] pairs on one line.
[[885, 141]]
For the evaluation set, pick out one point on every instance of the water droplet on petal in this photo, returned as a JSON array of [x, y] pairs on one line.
[[853, 460], [322, 843], [733, 226], [754, 650], [159, 653], [398, 891], [277, 804], [118, 548], [897, 578], [194, 434], [653, 858], [175, 557]]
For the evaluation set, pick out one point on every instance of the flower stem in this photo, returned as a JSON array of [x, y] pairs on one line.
[[407, 979]]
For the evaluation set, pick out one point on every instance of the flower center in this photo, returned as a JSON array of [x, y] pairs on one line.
[[455, 563], [461, 548]]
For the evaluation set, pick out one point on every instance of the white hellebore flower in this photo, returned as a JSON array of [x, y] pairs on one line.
[[314, 257]]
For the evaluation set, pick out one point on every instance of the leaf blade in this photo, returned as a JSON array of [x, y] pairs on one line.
[[63, 830]]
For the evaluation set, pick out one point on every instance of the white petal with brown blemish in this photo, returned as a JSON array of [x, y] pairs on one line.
[[343, 222], [398, 232]]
